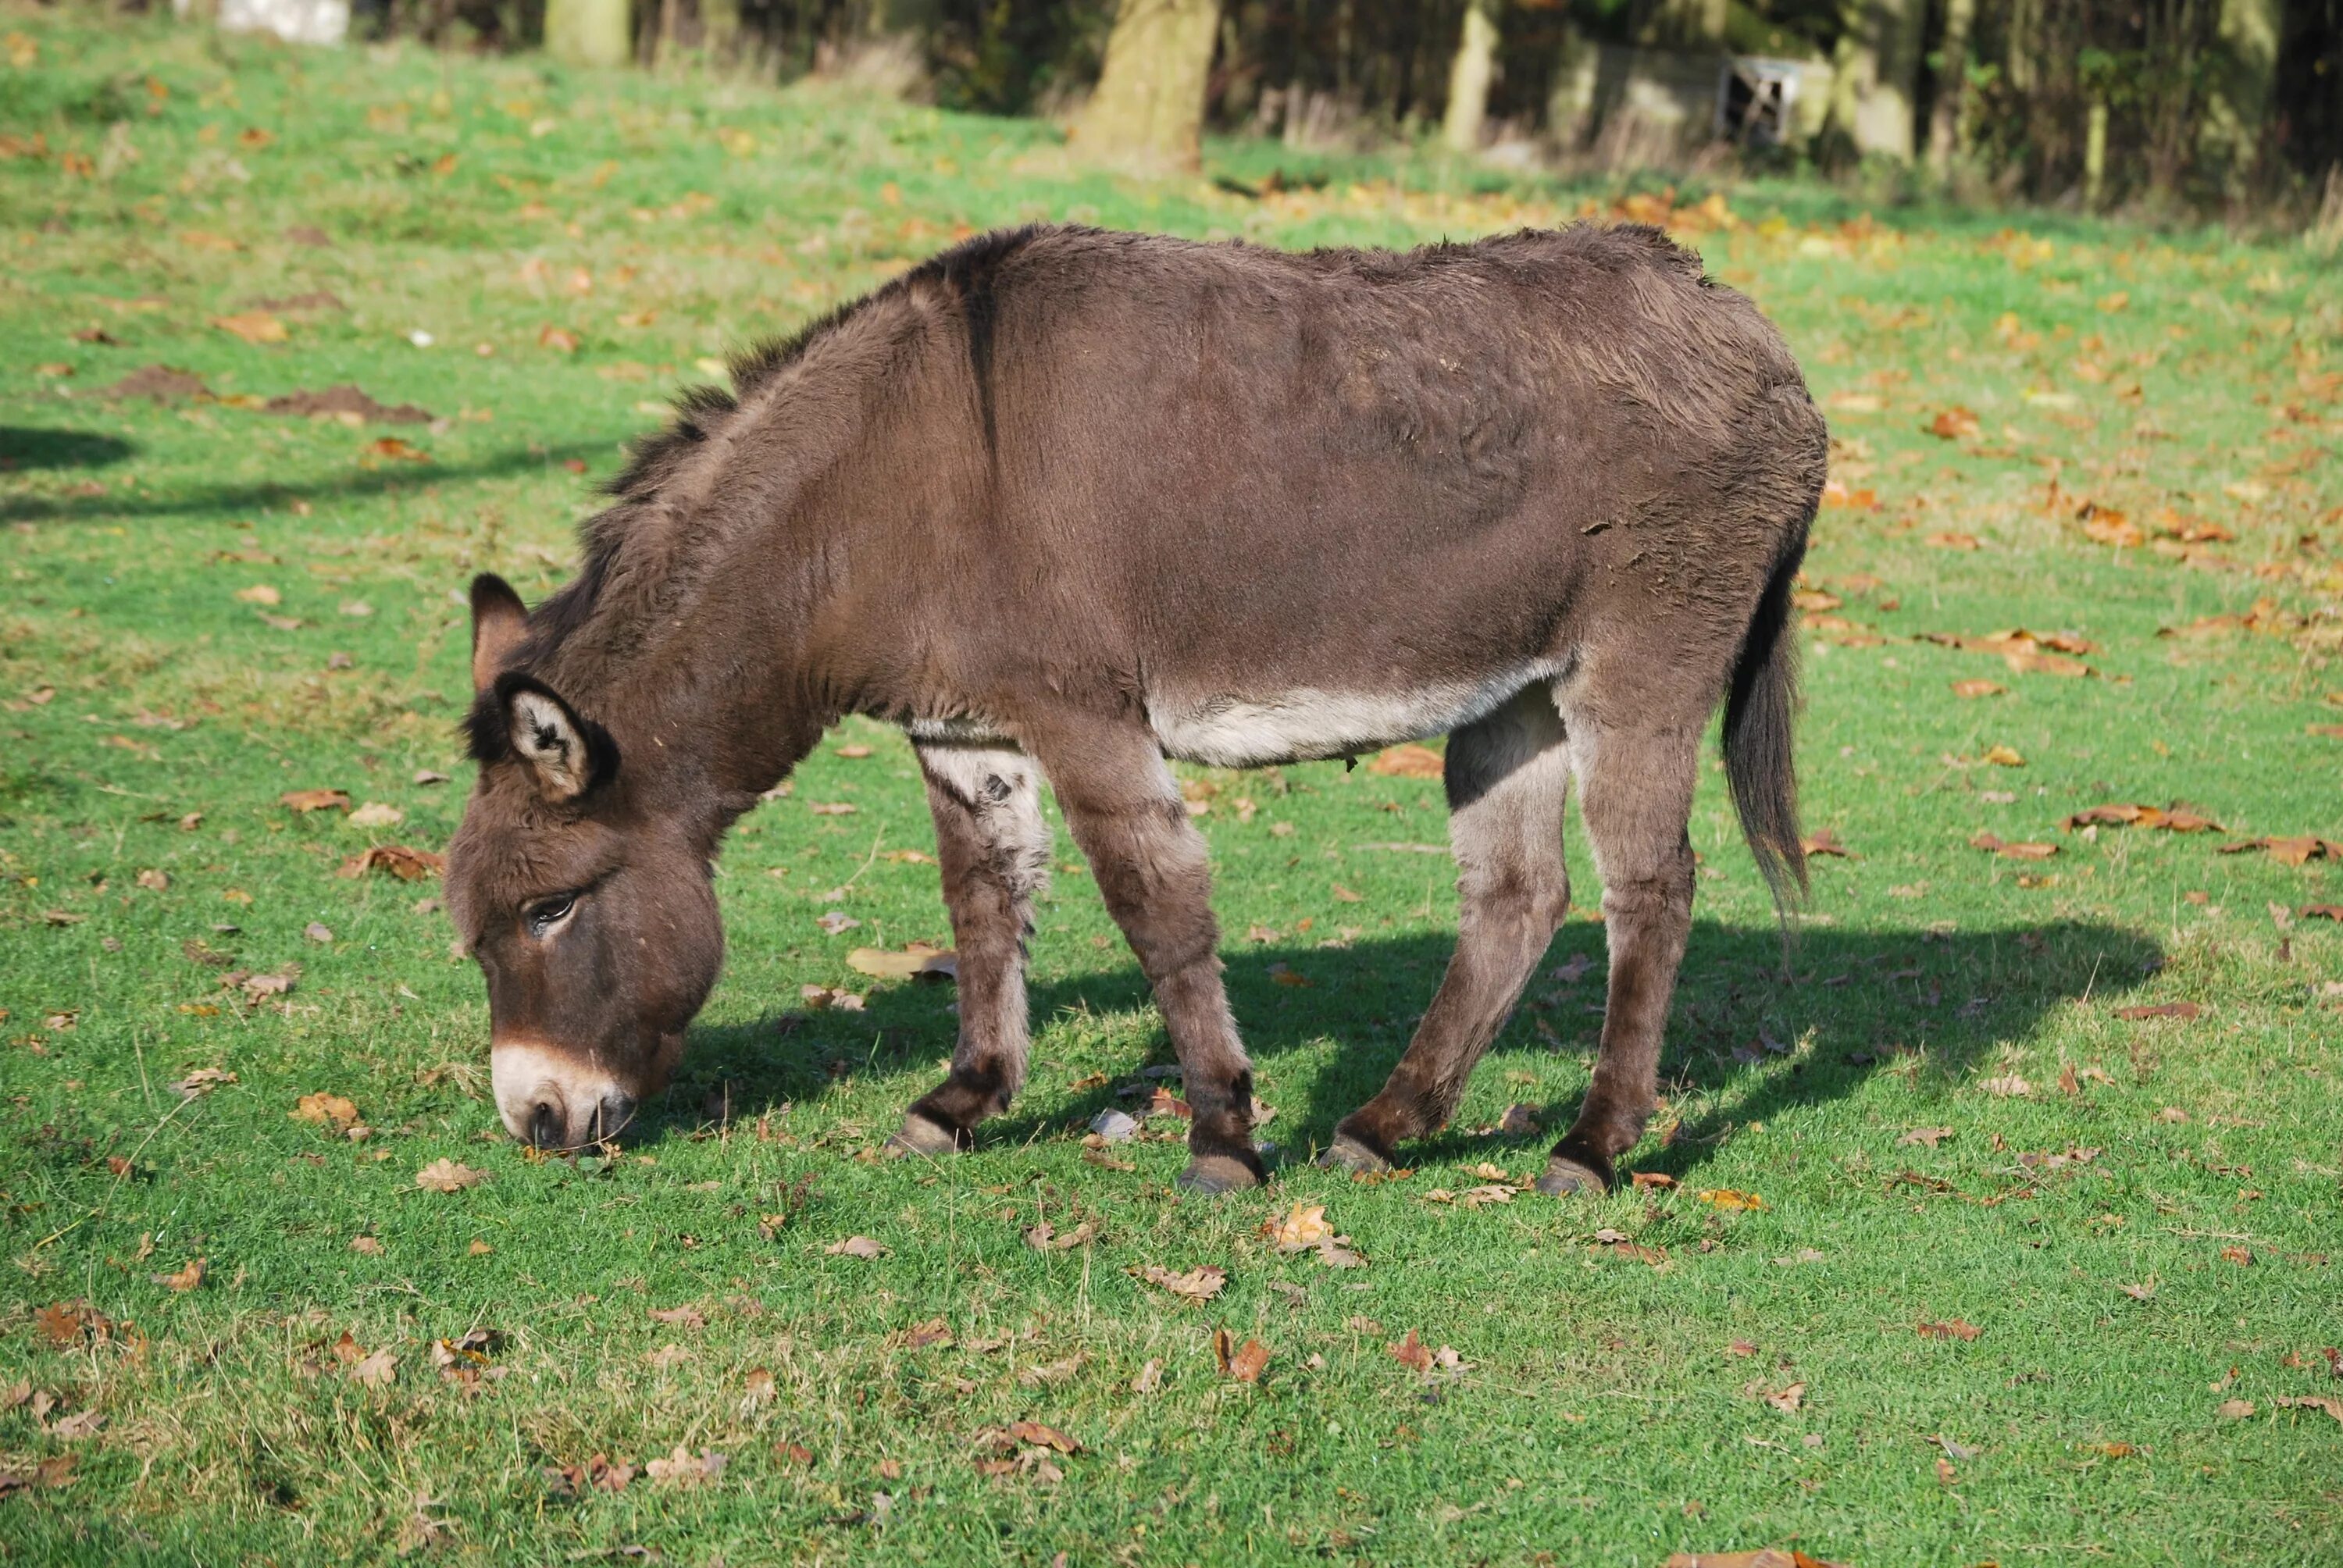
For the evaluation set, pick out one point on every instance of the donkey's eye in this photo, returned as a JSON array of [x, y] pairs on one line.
[[544, 917]]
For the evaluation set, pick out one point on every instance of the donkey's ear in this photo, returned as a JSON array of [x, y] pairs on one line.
[[568, 755], [499, 622]]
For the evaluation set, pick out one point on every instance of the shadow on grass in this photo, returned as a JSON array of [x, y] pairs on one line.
[[357, 484], [1860, 1003], [23, 447]]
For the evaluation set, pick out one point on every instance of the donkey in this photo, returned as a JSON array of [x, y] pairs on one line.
[[1062, 503]]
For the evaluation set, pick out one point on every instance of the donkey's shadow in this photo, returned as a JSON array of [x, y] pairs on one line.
[[1853, 1002]]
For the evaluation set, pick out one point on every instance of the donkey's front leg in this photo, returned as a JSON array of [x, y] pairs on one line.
[[994, 849], [1125, 811]]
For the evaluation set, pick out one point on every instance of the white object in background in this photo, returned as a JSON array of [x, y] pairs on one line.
[[295, 21]]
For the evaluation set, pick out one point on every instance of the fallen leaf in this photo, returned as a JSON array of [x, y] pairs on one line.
[[1045, 1238], [1299, 1230], [325, 1109], [2009, 1086], [835, 922], [1244, 1363], [1954, 1329], [379, 1369], [683, 1468], [1930, 1136], [1974, 689], [254, 327], [407, 864], [1993, 844], [2234, 1409], [307, 800], [444, 1175], [367, 1246], [1731, 1200], [916, 962], [2179, 1010], [1954, 423], [1409, 762], [2242, 1256], [2326, 1401], [1652, 1180], [1953, 541], [2002, 757], [920, 1336], [187, 1278], [861, 1247], [1200, 1283], [376, 814], [1823, 842]]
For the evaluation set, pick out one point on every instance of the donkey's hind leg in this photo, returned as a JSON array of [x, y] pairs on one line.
[[994, 847], [1635, 778], [1508, 775]]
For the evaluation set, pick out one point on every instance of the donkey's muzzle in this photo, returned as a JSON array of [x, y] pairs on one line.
[[550, 1101]]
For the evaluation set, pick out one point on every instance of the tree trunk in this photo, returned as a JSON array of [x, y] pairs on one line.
[[588, 32], [1688, 24], [1952, 86], [1469, 78], [1877, 75], [2244, 86], [1149, 108]]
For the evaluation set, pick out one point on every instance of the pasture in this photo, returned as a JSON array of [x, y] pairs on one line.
[[2003, 1226]]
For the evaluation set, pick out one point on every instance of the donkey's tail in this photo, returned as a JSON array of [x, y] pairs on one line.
[[1758, 763]]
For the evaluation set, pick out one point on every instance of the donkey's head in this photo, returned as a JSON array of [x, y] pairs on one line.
[[586, 905]]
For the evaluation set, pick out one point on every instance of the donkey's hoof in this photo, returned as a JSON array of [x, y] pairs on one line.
[[1348, 1153], [1209, 1175], [918, 1136], [1565, 1176]]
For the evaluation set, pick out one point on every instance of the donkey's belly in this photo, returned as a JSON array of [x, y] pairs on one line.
[[1305, 725]]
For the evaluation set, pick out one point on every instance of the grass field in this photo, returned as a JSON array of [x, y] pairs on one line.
[[2066, 1328]]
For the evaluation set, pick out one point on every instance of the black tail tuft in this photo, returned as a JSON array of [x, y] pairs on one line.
[[1758, 763]]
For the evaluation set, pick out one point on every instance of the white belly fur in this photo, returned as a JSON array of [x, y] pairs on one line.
[[1308, 725]]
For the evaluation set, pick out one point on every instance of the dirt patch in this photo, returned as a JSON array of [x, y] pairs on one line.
[[346, 401], [159, 382]]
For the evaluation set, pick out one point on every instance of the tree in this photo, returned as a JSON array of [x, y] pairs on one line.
[[1469, 78], [1876, 75], [1687, 24], [2243, 83], [1952, 86], [588, 32], [1149, 108]]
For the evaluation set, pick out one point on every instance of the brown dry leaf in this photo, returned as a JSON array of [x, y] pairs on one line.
[[379, 1369], [1823, 842], [861, 1247], [368, 1246], [444, 1175], [1993, 844], [1973, 688], [1953, 541], [2326, 1401], [2002, 757], [325, 1109], [561, 339], [407, 865], [683, 1317], [1931, 1136], [1045, 1237], [1954, 423], [2009, 1086], [1731, 1200], [2234, 1409], [254, 327], [1519, 1121], [2242, 1256], [1788, 1400], [1411, 1352], [1244, 1363], [683, 1468], [1200, 1283], [306, 800], [1652, 1180], [2293, 852], [1409, 762], [187, 1278], [920, 1336], [918, 961], [1035, 1434], [1299, 1229], [1150, 1378], [202, 1081], [1770, 1557], [2183, 1011], [2177, 820], [1954, 1329]]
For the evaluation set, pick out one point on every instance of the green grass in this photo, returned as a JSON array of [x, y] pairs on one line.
[[1603, 1415]]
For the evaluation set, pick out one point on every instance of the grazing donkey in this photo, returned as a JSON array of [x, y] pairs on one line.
[[1066, 503]]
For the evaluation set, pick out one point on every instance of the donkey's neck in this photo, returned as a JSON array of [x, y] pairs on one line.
[[699, 630]]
